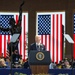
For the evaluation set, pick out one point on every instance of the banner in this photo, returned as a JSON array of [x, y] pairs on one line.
[[28, 72]]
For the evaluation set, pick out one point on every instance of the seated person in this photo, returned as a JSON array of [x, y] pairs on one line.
[[2, 64], [26, 65], [21, 60], [8, 62], [15, 56], [17, 65]]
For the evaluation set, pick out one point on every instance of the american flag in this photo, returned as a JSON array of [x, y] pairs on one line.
[[74, 37], [6, 36], [49, 27]]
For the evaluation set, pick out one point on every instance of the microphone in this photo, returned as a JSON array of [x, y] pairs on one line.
[[41, 47]]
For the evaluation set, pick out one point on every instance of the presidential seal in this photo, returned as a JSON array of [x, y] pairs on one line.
[[16, 73], [40, 56]]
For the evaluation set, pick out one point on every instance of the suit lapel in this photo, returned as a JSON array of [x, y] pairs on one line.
[[35, 46]]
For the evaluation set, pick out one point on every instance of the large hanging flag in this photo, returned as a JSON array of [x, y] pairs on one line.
[[6, 35], [49, 27]]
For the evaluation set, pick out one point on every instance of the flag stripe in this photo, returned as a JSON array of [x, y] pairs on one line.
[[41, 39], [46, 41], [60, 36], [4, 45], [52, 38], [16, 19], [74, 37], [49, 43], [56, 37], [24, 37], [0, 45]]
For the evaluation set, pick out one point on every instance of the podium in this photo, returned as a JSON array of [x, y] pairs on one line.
[[39, 61]]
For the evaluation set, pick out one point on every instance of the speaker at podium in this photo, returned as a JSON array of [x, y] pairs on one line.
[[39, 61]]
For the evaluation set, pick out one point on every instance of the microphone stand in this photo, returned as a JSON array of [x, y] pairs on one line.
[[11, 57], [72, 61]]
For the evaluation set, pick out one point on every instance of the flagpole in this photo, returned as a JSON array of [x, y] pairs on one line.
[[11, 59], [72, 59]]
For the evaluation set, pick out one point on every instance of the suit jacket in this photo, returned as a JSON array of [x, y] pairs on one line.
[[34, 47]]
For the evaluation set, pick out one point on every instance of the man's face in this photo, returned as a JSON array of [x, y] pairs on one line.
[[37, 39]]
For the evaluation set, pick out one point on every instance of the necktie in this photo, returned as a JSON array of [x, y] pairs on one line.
[[38, 47]]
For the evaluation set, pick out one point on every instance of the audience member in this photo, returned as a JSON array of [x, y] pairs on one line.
[[15, 56], [2, 64], [52, 65], [8, 62], [21, 60], [26, 65]]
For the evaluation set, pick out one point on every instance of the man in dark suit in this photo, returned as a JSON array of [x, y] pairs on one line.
[[37, 45]]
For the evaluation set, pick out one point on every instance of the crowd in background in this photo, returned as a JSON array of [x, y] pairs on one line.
[[64, 64], [15, 61], [18, 62]]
